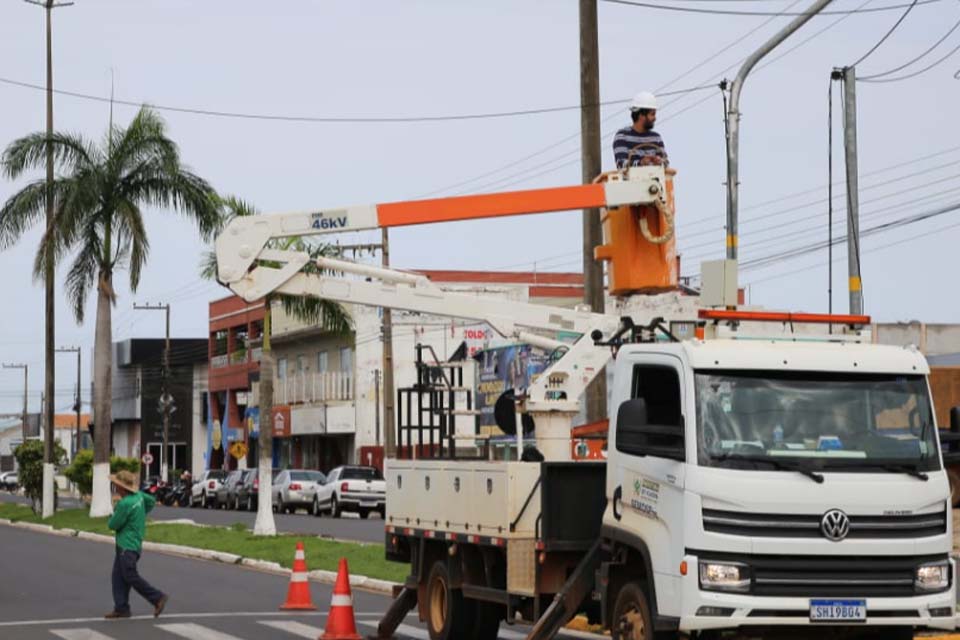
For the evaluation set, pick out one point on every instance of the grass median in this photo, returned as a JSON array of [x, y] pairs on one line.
[[364, 559]]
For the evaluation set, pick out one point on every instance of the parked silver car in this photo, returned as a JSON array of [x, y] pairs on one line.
[[295, 488]]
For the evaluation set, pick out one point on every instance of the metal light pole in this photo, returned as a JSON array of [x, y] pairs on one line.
[[24, 367], [165, 399], [49, 273], [76, 350], [733, 119]]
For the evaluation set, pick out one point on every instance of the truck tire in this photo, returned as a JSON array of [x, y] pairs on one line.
[[486, 621], [446, 610], [631, 618]]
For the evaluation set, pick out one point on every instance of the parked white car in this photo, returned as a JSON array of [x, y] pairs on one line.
[[296, 488], [9, 480], [204, 489], [352, 488]]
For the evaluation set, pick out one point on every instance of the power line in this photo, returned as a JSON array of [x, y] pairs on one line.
[[919, 57], [725, 12], [329, 119], [915, 73], [886, 35]]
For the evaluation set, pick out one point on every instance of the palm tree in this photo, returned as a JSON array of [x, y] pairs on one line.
[[312, 311], [98, 195]]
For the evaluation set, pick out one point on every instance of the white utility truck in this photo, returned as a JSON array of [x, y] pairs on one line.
[[759, 474]]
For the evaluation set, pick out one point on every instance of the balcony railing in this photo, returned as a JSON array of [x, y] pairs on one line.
[[240, 356], [219, 361], [314, 387]]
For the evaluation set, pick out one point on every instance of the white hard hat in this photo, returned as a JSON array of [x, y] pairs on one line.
[[643, 100]]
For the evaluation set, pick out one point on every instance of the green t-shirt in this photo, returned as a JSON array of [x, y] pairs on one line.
[[129, 520]]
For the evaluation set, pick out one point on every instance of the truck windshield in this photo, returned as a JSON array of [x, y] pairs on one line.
[[814, 420]]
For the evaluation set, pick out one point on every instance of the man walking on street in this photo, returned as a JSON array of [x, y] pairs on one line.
[[639, 144], [129, 520]]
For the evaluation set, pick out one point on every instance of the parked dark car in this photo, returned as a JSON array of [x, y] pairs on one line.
[[248, 489], [227, 496]]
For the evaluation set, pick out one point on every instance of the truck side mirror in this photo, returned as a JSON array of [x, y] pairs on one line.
[[637, 437]]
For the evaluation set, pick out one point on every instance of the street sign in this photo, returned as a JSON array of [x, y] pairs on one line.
[[147, 458], [238, 449]]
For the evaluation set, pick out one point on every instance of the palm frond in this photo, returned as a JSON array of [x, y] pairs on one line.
[[208, 265], [21, 211], [330, 316], [132, 240], [70, 151], [83, 274]]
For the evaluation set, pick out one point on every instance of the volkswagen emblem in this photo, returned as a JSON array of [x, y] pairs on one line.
[[835, 525]]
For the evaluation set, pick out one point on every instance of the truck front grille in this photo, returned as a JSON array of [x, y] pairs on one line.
[[775, 525], [828, 576]]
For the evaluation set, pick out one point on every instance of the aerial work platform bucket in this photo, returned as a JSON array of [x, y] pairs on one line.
[[640, 241]]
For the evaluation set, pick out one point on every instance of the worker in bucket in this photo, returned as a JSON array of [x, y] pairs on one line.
[[639, 144]]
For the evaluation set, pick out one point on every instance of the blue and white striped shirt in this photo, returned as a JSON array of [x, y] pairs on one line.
[[628, 138]]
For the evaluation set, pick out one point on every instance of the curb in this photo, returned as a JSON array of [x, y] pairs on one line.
[[319, 575]]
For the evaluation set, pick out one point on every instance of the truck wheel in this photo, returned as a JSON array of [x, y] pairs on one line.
[[486, 621], [445, 606], [631, 615]]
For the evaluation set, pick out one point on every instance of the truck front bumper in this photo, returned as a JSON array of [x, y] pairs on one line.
[[702, 609]]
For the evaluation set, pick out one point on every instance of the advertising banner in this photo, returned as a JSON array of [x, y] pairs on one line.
[[502, 368]]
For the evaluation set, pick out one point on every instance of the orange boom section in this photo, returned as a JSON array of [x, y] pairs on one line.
[[640, 246], [511, 203]]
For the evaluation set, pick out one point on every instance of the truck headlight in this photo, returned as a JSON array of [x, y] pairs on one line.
[[932, 577], [724, 576]]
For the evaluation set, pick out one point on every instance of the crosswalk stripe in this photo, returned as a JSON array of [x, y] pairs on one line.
[[195, 632], [404, 630], [79, 634], [296, 628]]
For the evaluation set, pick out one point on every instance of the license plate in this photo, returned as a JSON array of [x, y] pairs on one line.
[[838, 610], [365, 503]]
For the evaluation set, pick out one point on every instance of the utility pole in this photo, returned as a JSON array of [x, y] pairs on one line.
[[376, 403], [166, 400], [24, 367], [76, 350], [389, 422], [596, 395], [49, 273], [733, 119], [853, 188]]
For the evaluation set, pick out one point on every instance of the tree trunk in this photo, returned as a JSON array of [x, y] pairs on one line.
[[265, 525], [100, 503]]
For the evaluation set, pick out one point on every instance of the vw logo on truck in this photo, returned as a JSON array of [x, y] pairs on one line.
[[835, 525]]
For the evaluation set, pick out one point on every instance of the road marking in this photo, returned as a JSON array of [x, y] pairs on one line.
[[175, 616], [195, 631], [296, 628], [79, 634], [404, 629]]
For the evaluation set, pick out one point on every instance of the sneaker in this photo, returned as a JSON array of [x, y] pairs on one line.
[[161, 603], [113, 615]]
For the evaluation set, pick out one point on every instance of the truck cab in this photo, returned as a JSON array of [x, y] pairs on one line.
[[767, 483]]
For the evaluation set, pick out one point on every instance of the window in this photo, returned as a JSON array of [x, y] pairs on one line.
[[282, 369], [361, 473], [659, 387], [346, 359], [817, 420], [322, 362], [301, 364]]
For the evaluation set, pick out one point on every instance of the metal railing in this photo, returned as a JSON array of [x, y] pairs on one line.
[[314, 387]]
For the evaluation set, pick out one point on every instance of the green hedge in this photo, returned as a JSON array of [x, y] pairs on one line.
[[81, 471]]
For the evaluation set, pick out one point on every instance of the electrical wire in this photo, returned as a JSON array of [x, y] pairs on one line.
[[725, 12], [918, 58], [915, 73], [886, 35]]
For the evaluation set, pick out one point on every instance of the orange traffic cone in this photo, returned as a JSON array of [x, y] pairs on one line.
[[298, 595], [340, 622]]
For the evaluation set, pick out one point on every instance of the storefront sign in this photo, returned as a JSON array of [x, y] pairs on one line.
[[281, 421]]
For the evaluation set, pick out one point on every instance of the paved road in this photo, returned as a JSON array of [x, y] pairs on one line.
[[349, 527], [56, 587]]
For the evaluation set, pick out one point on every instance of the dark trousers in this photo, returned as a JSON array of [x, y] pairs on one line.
[[125, 576]]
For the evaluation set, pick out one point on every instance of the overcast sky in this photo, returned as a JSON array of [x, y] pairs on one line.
[[373, 58]]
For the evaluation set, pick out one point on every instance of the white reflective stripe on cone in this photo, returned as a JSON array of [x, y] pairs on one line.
[[298, 555], [341, 601], [298, 577]]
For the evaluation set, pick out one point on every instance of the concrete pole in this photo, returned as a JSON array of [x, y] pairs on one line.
[[593, 290], [853, 188], [389, 421], [733, 119]]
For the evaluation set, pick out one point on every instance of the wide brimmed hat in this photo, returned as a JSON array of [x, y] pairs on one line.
[[126, 480]]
